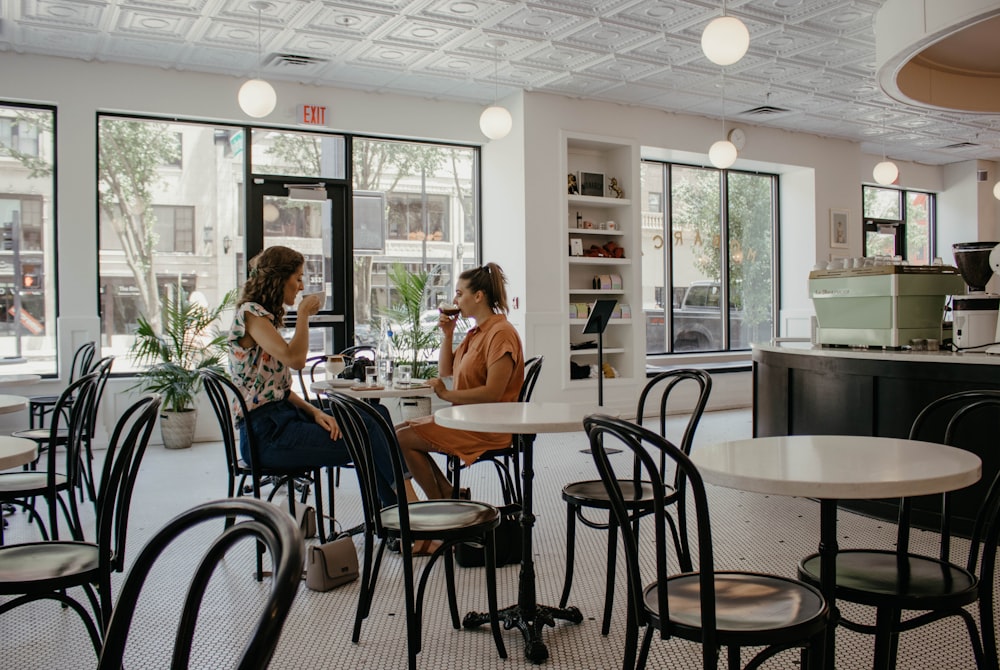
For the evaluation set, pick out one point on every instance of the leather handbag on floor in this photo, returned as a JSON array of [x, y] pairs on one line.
[[305, 516], [506, 538], [332, 564]]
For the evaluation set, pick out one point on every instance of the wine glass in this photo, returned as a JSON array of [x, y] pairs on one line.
[[334, 366]]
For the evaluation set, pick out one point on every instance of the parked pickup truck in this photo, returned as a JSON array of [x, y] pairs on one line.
[[697, 322]]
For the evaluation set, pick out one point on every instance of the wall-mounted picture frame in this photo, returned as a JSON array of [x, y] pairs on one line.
[[839, 222], [591, 183]]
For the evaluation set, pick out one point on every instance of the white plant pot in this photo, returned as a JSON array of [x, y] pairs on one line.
[[177, 428], [412, 408]]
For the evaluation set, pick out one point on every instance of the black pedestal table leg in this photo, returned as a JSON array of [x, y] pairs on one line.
[[828, 572], [527, 615]]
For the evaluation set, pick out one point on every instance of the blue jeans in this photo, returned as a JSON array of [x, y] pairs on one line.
[[289, 438]]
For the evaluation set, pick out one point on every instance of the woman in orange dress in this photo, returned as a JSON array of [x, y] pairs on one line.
[[488, 366]]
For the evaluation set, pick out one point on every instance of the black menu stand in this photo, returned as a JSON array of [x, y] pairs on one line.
[[600, 314]]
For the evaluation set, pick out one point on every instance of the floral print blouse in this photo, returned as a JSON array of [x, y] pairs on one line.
[[261, 377]]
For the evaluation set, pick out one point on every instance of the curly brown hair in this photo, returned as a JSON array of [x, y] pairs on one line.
[[269, 271], [491, 280]]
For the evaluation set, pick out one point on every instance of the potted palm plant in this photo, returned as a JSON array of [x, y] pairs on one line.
[[174, 355], [415, 341]]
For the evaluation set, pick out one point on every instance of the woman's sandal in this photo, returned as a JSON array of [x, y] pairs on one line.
[[425, 547]]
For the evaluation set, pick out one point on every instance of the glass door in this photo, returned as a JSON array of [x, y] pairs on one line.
[[310, 217]]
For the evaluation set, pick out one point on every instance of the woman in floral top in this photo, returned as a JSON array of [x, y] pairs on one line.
[[290, 432]]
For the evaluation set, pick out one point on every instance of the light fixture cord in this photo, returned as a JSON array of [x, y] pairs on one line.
[[260, 11], [496, 74], [723, 103]]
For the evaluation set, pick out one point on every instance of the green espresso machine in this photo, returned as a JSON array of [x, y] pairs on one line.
[[882, 306]]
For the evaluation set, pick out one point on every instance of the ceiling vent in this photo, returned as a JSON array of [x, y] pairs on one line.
[[293, 61], [960, 145], [764, 110]]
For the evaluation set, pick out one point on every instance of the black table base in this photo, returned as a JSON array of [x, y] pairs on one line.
[[527, 615]]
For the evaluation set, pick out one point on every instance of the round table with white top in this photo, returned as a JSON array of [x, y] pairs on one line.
[[524, 420], [12, 403], [15, 451], [835, 467], [358, 389]]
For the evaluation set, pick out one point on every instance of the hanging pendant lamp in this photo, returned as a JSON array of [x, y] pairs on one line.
[[495, 121], [723, 153], [885, 172], [257, 97], [725, 40]]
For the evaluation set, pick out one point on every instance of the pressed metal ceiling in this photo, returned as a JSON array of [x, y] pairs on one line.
[[810, 67]]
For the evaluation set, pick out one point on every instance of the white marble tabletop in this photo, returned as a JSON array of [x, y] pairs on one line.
[[19, 379], [357, 389], [15, 451], [12, 403], [837, 466], [519, 417]]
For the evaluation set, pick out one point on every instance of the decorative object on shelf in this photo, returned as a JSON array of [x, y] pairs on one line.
[[838, 228], [609, 250], [257, 97], [588, 225], [616, 189], [611, 225], [886, 172], [591, 183], [495, 121], [576, 247], [725, 40], [572, 188]]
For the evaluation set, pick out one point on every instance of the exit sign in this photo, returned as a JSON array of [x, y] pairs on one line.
[[312, 115]]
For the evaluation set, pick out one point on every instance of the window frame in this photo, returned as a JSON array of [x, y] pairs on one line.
[[871, 224]]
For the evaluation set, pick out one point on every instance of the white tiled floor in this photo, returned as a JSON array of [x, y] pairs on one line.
[[751, 531]]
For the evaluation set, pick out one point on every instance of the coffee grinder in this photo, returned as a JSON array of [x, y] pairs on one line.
[[975, 312]]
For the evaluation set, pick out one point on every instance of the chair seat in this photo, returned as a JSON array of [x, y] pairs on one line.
[[870, 577], [592, 493], [750, 604], [42, 434], [442, 519], [43, 400], [29, 482], [32, 566]]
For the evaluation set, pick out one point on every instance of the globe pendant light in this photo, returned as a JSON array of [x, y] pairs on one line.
[[257, 97], [885, 172], [723, 153], [725, 40], [996, 190], [495, 121]]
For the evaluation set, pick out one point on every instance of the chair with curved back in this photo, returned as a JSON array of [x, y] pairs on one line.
[[258, 521], [40, 406], [450, 521], [224, 396], [592, 494], [506, 461], [716, 609], [897, 580], [46, 570], [22, 488]]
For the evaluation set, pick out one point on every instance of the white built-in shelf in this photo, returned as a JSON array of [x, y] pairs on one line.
[[611, 322], [597, 201], [598, 260], [596, 291], [595, 231], [593, 352]]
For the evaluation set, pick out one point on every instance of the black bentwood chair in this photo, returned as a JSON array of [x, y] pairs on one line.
[[258, 521], [56, 478], [591, 494], [450, 521], [896, 580], [40, 406], [224, 395], [717, 609], [45, 570], [506, 461]]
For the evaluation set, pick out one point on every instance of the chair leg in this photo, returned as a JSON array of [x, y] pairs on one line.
[[570, 553], [412, 623], [609, 585], [491, 592], [886, 638], [332, 481], [320, 528], [644, 649], [733, 657], [449, 571]]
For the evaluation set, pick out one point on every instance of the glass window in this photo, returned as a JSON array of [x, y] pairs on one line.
[[294, 153], [430, 215], [900, 223], [710, 244], [28, 297], [166, 224]]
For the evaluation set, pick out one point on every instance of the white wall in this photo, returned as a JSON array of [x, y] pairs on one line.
[[521, 176]]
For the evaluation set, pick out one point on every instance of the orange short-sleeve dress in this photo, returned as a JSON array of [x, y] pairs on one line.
[[483, 345]]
